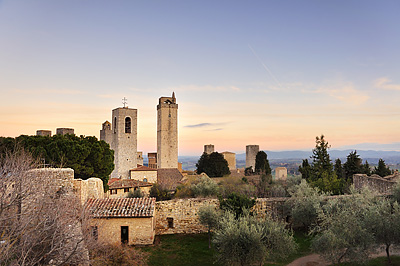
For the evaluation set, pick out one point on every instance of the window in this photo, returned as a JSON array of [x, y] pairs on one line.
[[126, 189], [115, 125], [113, 191], [145, 179], [94, 232], [170, 221], [127, 125]]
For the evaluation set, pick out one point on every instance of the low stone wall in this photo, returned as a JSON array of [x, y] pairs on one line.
[[179, 216], [374, 182]]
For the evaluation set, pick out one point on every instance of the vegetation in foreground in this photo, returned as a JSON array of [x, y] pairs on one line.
[[180, 249]]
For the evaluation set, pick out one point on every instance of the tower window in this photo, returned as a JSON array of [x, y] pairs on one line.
[[115, 125], [128, 125]]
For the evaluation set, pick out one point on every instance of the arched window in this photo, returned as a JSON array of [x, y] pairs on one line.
[[127, 125], [115, 125]]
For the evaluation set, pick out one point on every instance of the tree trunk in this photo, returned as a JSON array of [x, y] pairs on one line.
[[209, 238], [388, 254]]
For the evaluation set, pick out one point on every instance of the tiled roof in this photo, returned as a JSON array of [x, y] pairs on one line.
[[126, 207], [143, 168], [128, 183], [169, 178]]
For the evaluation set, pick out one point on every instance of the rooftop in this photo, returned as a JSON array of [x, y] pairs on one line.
[[126, 207]]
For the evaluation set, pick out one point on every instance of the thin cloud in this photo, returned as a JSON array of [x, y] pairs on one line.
[[343, 92], [205, 125], [217, 129], [207, 88], [48, 91], [385, 84]]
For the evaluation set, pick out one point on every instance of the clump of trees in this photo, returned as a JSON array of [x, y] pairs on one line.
[[214, 165], [88, 156], [202, 186], [335, 178], [348, 227], [241, 238]]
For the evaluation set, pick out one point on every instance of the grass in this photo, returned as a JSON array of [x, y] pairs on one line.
[[181, 250], [303, 241], [193, 250]]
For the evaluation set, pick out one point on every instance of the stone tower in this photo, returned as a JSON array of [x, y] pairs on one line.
[[251, 153], [167, 132], [121, 135], [209, 148]]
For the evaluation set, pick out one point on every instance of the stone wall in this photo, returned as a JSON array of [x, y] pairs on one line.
[[91, 188], [151, 176], [179, 216], [141, 230], [374, 182]]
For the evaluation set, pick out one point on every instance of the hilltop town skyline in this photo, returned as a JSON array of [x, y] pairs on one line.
[[276, 74]]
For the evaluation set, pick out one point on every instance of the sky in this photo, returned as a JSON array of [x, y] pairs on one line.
[[272, 73]]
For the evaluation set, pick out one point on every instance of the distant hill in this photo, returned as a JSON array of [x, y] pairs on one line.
[[372, 156]]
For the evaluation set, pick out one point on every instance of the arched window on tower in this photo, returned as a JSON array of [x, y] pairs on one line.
[[127, 125], [115, 125]]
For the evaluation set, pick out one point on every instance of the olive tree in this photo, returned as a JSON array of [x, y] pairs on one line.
[[248, 240], [305, 204], [209, 217], [343, 231]]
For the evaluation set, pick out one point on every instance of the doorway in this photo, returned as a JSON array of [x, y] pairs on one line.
[[125, 234]]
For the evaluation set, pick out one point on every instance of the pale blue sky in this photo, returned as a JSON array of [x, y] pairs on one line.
[[273, 73]]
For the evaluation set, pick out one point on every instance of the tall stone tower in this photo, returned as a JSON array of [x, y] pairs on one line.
[[251, 153], [209, 148], [167, 132], [121, 135]]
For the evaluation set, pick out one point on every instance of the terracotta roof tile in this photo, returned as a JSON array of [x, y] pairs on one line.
[[143, 168], [126, 207], [169, 178], [128, 183]]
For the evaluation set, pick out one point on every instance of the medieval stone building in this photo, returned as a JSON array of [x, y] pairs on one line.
[[121, 135], [167, 132]]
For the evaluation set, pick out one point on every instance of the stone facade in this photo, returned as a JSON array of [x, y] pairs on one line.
[[121, 135], [251, 152], [143, 173], [139, 159], [141, 230], [167, 132], [91, 188], [46, 133], [65, 131], [280, 173], [180, 216], [209, 148], [230, 157], [152, 160]]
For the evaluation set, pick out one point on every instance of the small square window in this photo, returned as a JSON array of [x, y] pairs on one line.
[[126, 189], [170, 221]]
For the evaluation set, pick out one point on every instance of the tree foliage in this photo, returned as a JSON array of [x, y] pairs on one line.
[[236, 203], [214, 165], [246, 240], [204, 187], [86, 155], [305, 204], [262, 164], [382, 170], [209, 217], [160, 193]]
